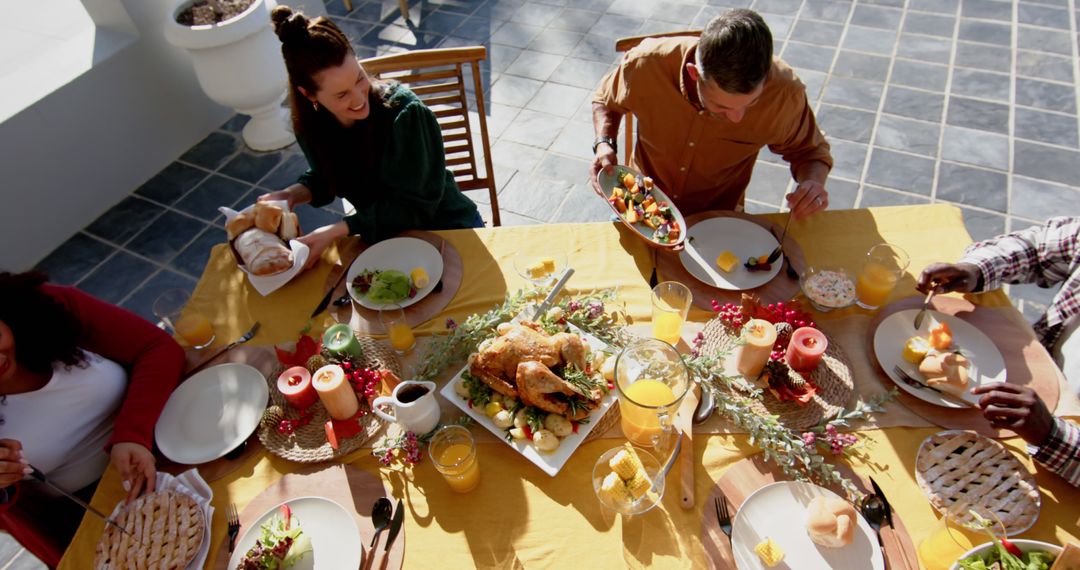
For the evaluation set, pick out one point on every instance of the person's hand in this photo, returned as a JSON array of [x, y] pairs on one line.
[[1017, 408], [318, 240], [948, 277], [605, 159], [285, 194], [13, 468], [809, 197], [135, 464]]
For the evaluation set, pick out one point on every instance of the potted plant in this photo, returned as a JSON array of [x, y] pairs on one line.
[[237, 59]]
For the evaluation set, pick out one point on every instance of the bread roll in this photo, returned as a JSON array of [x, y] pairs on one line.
[[263, 253], [831, 522], [290, 227], [239, 224], [268, 217], [946, 371]]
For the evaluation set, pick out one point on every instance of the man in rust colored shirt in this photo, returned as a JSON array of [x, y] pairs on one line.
[[705, 107]]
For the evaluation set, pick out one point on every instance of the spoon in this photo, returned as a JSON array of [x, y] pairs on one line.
[[873, 509], [380, 517], [926, 304], [780, 246]]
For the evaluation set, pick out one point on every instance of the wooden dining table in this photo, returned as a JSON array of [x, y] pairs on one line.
[[520, 516]]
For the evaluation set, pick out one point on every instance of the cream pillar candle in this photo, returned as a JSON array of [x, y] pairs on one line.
[[335, 392], [758, 336]]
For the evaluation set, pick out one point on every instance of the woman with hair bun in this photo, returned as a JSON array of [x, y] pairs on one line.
[[82, 383], [373, 143]]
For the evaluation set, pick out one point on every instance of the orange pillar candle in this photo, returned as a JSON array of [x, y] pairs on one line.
[[335, 392], [295, 385], [805, 349], [758, 338]]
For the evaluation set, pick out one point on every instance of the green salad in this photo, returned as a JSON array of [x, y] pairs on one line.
[[386, 286], [281, 545], [999, 557]]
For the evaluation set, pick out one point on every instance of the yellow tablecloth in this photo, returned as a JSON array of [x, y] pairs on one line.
[[520, 516]]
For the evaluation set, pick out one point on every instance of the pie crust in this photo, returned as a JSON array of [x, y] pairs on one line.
[[962, 468], [166, 532]]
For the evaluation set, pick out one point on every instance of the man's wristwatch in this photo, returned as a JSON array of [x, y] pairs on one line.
[[605, 140]]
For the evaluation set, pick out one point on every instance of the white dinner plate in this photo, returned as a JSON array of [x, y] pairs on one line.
[[778, 511], [987, 364], [549, 463], [403, 254], [211, 413], [335, 539], [707, 239]]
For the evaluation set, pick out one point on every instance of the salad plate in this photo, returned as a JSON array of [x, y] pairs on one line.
[[986, 363], [332, 531], [643, 207], [708, 239], [549, 462], [983, 556], [758, 518], [404, 255], [211, 413]]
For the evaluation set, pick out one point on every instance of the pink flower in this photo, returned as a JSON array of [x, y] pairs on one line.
[[451, 324]]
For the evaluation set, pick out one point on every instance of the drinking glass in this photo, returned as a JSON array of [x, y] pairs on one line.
[[884, 266], [397, 328], [670, 305], [953, 535], [453, 452], [651, 380], [188, 323]]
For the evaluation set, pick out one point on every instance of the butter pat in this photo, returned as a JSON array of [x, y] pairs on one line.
[[727, 261], [769, 552]]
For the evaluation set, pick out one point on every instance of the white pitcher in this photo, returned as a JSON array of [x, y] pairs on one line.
[[414, 406]]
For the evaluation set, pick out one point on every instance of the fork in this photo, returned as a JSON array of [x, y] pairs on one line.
[[723, 515], [233, 519], [916, 383]]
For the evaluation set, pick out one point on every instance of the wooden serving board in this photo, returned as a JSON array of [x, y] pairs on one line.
[[352, 488], [780, 288], [1027, 363], [753, 473], [366, 321]]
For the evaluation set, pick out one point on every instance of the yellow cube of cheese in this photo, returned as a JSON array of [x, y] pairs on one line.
[[727, 261], [769, 552], [549, 265]]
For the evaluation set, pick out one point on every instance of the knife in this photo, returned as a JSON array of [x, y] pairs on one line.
[[344, 271], [37, 474], [885, 501], [554, 292], [395, 525]]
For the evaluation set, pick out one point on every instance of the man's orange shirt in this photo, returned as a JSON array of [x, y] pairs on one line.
[[703, 162]]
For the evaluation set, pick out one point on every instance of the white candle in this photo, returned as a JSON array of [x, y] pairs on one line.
[[335, 392], [758, 337]]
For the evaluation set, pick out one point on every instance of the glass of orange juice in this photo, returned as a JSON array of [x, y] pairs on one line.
[[397, 329], [670, 305], [453, 452], [885, 265], [651, 379], [188, 323], [960, 528]]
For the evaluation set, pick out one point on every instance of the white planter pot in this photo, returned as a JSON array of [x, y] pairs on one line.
[[239, 65]]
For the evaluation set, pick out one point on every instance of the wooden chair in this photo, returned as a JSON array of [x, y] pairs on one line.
[[435, 75], [623, 45]]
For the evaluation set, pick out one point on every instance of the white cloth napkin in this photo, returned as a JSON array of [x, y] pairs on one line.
[[266, 284]]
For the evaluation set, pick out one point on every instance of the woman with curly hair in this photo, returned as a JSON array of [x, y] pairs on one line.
[[373, 143], [82, 384]]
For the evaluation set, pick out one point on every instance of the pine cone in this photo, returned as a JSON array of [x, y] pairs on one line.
[[272, 417], [316, 362], [783, 333]]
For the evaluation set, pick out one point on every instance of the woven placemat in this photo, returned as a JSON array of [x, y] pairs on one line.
[[832, 377], [308, 443], [606, 423]]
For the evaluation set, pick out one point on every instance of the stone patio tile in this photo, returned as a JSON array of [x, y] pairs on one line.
[[985, 32], [769, 183], [985, 57], [514, 91], [814, 81], [119, 275], [575, 20], [679, 13], [826, 10], [501, 56], [981, 84], [1045, 95], [924, 48], [595, 48], [141, 301], [805, 56], [930, 24], [848, 158], [212, 151], [516, 156], [861, 66], [845, 123], [613, 26], [74, 259], [778, 25], [535, 14], [121, 222], [515, 34], [987, 10], [901, 171], [532, 196], [251, 166], [575, 140], [166, 237], [534, 65], [1045, 127], [192, 260], [167, 186], [1041, 39], [870, 40], [876, 17], [916, 137], [927, 76], [213, 193], [819, 33], [789, 7], [853, 93], [574, 170], [286, 173], [973, 186], [1038, 200], [534, 128], [842, 194], [1045, 16], [638, 8], [980, 148], [580, 73], [975, 114], [937, 6], [983, 225], [915, 104], [1046, 163], [873, 197], [581, 205], [560, 100], [1044, 66], [560, 42], [442, 23]]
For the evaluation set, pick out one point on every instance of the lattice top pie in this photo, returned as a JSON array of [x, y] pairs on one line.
[[962, 468], [166, 532]]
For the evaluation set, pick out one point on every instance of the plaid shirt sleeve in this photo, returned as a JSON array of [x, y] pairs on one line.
[[1061, 451]]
